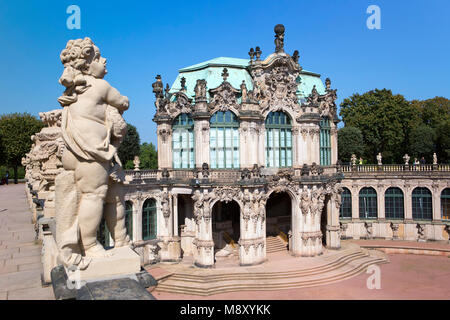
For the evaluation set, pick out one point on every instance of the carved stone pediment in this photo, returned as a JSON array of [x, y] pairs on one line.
[[180, 104], [276, 84], [223, 97]]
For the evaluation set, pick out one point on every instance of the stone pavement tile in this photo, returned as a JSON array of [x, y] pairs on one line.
[[23, 260], [37, 293], [30, 266], [8, 269], [34, 247], [3, 295], [6, 236], [20, 280], [19, 243], [28, 253], [5, 255]]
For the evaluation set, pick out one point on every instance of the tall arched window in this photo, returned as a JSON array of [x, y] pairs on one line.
[[149, 220], [346, 204], [183, 142], [129, 218], [393, 203], [421, 204], [224, 140], [368, 203], [278, 140], [445, 204], [325, 142]]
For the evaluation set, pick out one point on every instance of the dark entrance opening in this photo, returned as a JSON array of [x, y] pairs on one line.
[[278, 213], [226, 224], [323, 221]]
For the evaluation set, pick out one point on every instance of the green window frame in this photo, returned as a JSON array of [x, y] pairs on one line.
[[129, 218], [278, 140], [445, 204], [368, 203], [325, 141], [183, 142], [345, 211], [224, 140], [422, 207], [103, 234], [149, 220], [394, 203]]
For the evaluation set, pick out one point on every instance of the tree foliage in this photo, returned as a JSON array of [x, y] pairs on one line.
[[421, 142], [130, 146], [350, 141], [148, 156], [16, 130], [385, 121]]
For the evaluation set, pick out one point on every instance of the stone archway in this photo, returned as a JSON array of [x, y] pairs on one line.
[[278, 221], [226, 227]]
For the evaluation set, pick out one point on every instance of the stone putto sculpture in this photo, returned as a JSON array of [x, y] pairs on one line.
[[406, 158], [92, 129], [434, 158], [379, 159]]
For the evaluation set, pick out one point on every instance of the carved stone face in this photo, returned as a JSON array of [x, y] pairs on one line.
[[97, 68]]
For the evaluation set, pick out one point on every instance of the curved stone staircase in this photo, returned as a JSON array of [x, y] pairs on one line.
[[275, 244], [331, 267]]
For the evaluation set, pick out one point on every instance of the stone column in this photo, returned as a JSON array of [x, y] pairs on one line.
[[333, 226], [436, 196], [295, 146], [175, 214], [334, 144], [252, 240], [164, 131], [201, 138], [380, 203], [204, 243], [355, 203]]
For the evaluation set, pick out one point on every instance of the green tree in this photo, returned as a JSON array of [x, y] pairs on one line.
[[130, 146], [435, 113], [385, 121], [16, 130], [350, 141], [148, 156], [421, 142], [443, 142]]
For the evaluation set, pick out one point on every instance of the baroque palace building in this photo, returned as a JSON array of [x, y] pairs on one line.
[[247, 157]]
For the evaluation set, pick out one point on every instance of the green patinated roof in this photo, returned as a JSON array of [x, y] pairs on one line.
[[211, 71]]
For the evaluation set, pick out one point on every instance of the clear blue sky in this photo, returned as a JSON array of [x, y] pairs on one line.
[[410, 54]]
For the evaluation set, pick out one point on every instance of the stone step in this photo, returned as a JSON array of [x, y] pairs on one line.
[[275, 244], [263, 282]]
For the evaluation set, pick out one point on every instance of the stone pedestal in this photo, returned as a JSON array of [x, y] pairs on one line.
[[123, 261], [170, 250]]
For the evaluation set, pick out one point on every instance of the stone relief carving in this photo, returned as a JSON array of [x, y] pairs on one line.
[[223, 97], [200, 90]]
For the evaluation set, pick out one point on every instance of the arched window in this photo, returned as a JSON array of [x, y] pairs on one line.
[[325, 142], [129, 218], [149, 220], [346, 204], [183, 142], [445, 204], [393, 203], [224, 140], [278, 140], [368, 203], [421, 204]]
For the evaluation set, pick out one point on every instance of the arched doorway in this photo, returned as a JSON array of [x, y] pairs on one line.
[[186, 223], [226, 228], [278, 221]]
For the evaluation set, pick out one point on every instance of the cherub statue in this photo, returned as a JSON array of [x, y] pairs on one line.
[[92, 129]]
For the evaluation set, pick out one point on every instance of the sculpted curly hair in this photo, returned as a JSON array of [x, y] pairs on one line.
[[76, 58]]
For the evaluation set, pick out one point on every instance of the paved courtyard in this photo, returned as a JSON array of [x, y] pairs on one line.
[[407, 276], [20, 260]]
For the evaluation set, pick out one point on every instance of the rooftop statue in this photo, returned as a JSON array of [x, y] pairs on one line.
[[92, 129]]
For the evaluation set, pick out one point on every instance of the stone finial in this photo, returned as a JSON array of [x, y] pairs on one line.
[[157, 86], [258, 53], [225, 74], [167, 89], [183, 84], [295, 56], [243, 91], [251, 53], [279, 38], [136, 163]]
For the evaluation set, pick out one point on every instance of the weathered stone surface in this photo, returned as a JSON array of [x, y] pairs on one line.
[[117, 289], [59, 284], [146, 279]]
